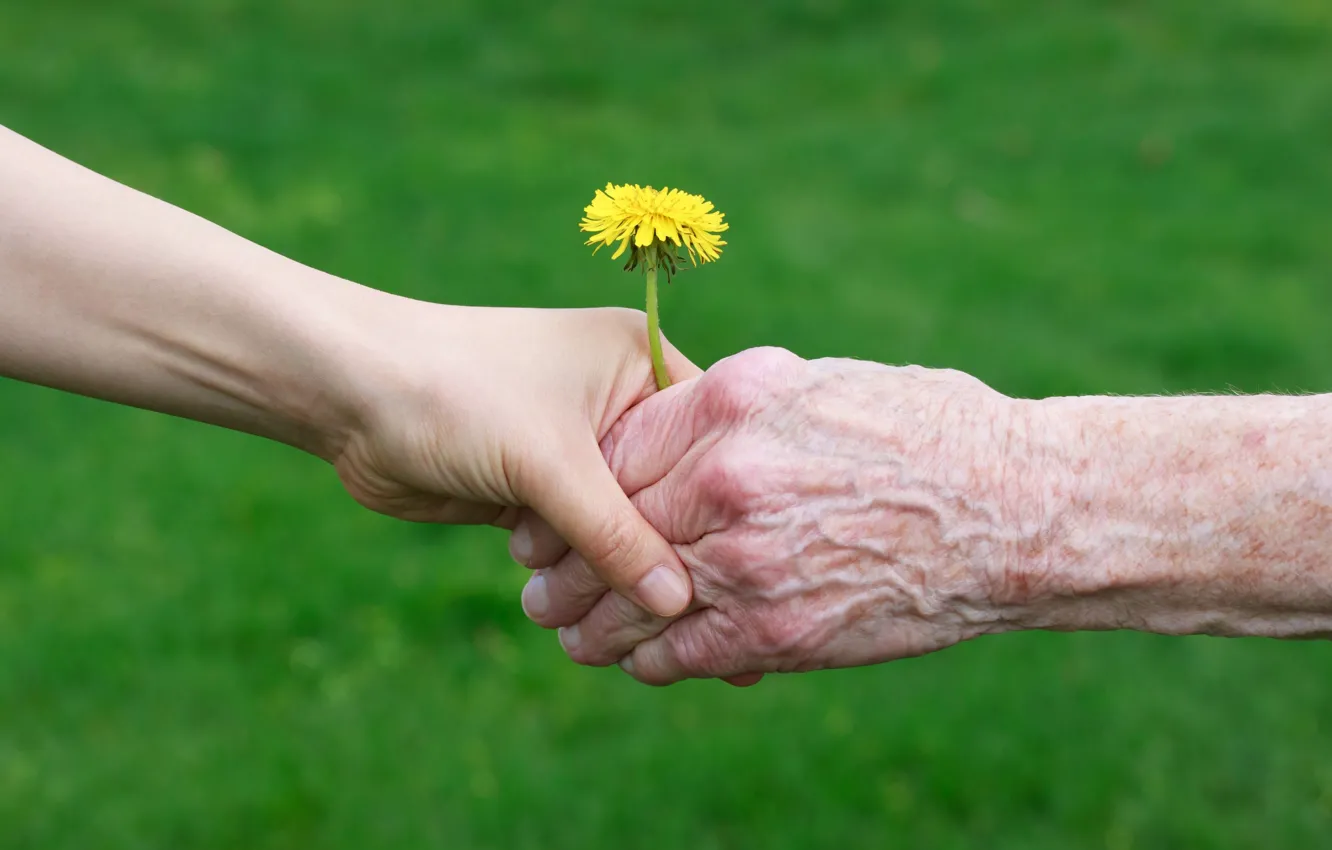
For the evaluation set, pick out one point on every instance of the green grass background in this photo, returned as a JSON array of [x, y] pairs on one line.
[[205, 644]]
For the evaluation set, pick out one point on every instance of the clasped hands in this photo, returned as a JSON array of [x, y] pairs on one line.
[[771, 514], [823, 518]]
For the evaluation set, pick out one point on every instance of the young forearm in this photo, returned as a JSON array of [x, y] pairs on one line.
[[1193, 515], [110, 293], [428, 412]]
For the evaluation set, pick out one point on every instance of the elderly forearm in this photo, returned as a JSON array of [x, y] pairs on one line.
[[837, 513], [107, 292], [1208, 515]]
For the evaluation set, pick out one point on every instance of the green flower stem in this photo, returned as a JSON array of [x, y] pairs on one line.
[[654, 331]]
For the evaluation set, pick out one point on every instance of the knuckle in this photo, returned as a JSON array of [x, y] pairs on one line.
[[767, 359], [612, 628], [775, 636], [575, 578], [570, 600], [703, 652], [614, 546], [742, 381], [733, 478], [648, 665]]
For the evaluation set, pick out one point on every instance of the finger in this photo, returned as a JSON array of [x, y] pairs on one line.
[[563, 594], [450, 512], [703, 645], [744, 680], [690, 502], [584, 504], [508, 518], [534, 543], [610, 631], [652, 437]]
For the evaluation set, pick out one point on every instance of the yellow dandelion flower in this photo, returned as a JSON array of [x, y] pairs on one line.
[[654, 225]]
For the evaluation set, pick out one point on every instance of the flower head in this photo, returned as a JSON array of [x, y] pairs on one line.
[[654, 224]]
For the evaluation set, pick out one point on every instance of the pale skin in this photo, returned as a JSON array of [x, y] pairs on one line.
[[428, 412], [837, 513]]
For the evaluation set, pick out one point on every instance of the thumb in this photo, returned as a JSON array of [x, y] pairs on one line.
[[582, 501]]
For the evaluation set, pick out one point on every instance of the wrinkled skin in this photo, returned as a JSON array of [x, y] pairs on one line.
[[831, 513]]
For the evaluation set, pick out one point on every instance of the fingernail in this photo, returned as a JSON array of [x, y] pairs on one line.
[[520, 544], [627, 665], [664, 591], [569, 638], [536, 602]]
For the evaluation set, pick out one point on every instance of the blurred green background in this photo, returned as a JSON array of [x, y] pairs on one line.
[[205, 644]]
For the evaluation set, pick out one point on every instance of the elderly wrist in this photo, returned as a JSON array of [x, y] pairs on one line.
[[1062, 565], [1054, 476], [1023, 460], [952, 501]]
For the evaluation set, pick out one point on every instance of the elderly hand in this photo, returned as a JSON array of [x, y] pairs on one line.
[[832, 513]]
